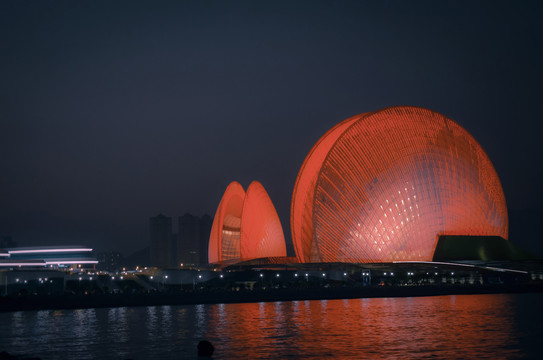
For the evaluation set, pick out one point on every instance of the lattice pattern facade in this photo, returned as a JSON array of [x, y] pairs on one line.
[[382, 186], [246, 226]]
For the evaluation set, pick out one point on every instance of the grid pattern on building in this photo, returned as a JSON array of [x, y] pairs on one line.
[[382, 186], [246, 226]]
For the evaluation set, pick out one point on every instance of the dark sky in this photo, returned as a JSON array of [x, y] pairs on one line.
[[114, 111]]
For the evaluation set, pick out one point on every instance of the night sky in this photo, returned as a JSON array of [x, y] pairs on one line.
[[114, 111]]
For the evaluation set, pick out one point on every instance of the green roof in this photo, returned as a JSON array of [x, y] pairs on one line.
[[485, 248]]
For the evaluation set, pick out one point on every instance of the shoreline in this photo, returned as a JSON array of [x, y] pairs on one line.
[[71, 302]]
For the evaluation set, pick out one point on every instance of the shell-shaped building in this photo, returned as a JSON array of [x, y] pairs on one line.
[[246, 226], [383, 186]]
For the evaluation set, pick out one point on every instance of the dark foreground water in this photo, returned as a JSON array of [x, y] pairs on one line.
[[508, 326]]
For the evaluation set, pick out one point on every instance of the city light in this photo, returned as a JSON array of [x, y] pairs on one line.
[[62, 262], [393, 206], [56, 250], [258, 232]]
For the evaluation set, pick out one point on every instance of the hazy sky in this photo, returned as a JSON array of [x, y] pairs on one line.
[[114, 111]]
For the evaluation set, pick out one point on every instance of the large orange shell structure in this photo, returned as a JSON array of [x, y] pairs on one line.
[[382, 186], [246, 226]]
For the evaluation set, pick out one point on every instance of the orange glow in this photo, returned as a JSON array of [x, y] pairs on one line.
[[482, 327], [246, 226], [302, 209], [225, 236], [382, 186]]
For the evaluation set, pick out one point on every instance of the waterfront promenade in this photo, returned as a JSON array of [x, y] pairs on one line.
[[216, 296]]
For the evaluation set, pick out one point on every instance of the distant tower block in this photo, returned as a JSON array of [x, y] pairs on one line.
[[193, 240], [382, 186], [246, 226], [188, 244], [161, 247]]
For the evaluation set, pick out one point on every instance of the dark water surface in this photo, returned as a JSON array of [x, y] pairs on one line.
[[508, 326]]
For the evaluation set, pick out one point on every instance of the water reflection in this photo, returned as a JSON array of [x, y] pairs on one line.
[[451, 327], [16, 335], [83, 330], [165, 320], [200, 319], [151, 323], [118, 324]]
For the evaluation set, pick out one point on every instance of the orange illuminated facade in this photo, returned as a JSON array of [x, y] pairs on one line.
[[382, 186], [246, 226]]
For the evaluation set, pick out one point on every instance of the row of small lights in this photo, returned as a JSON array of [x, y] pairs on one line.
[[296, 275], [409, 274], [221, 276], [40, 280]]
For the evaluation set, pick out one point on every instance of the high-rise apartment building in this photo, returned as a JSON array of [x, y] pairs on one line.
[[193, 240], [205, 229], [188, 245], [110, 261], [161, 247]]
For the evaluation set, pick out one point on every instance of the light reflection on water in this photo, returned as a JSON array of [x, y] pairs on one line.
[[451, 327]]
